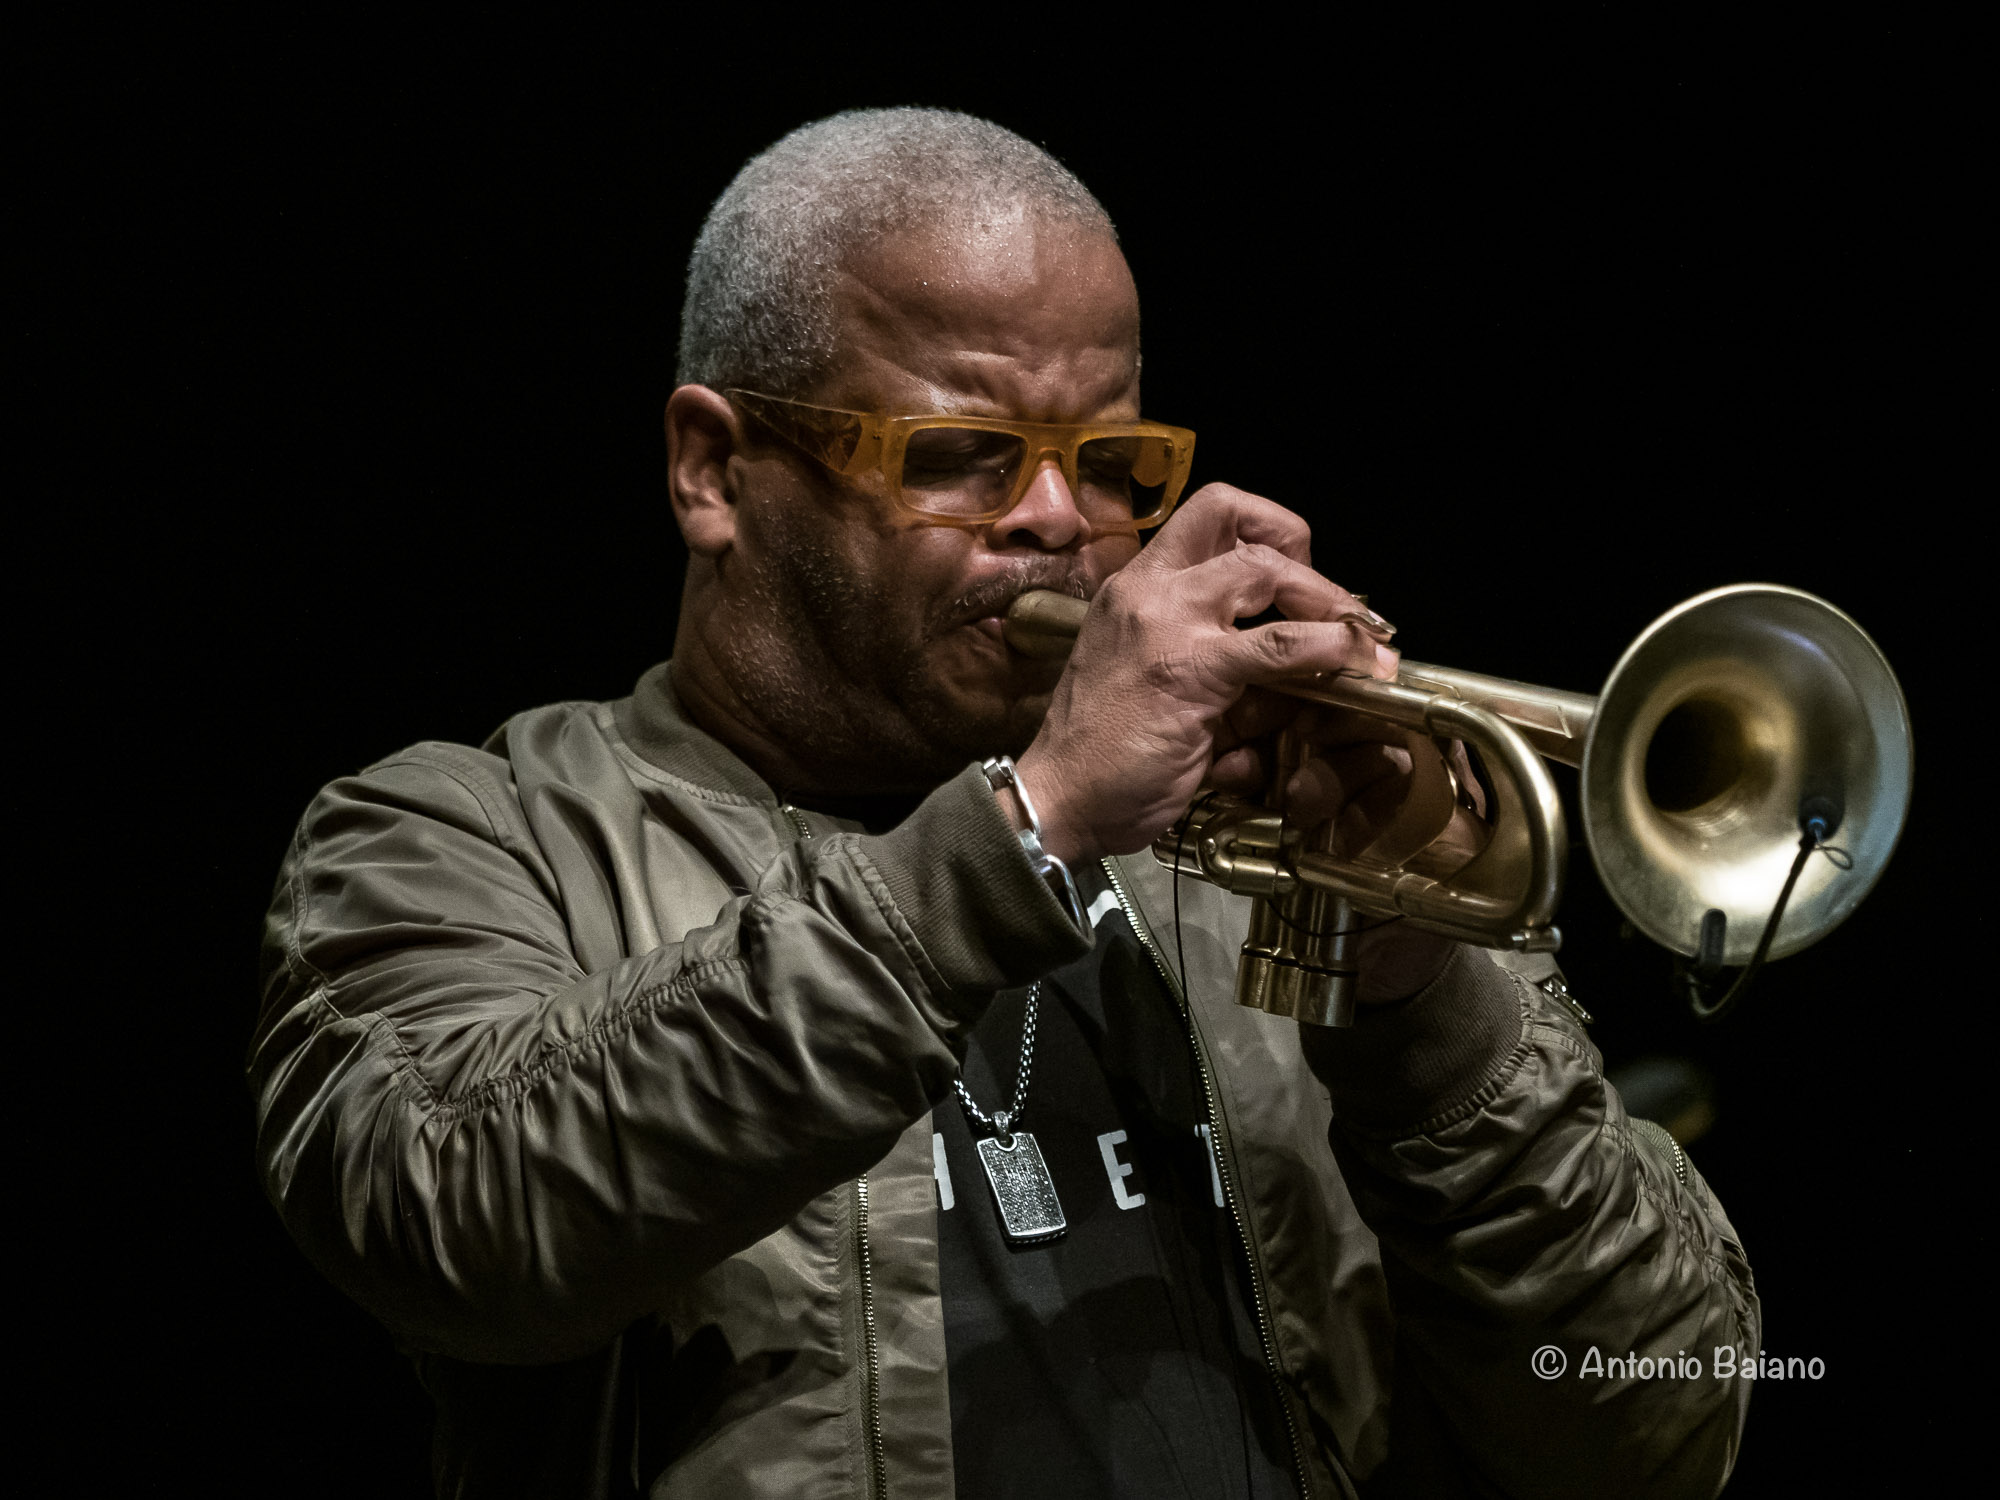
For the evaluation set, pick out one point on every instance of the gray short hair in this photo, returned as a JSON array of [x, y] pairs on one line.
[[759, 311]]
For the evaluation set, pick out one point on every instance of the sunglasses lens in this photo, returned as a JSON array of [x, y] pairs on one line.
[[961, 471], [1125, 475], [971, 473]]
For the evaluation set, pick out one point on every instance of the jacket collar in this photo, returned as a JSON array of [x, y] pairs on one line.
[[655, 724], [657, 727]]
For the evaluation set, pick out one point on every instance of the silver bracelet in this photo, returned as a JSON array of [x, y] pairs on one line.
[[1000, 772]]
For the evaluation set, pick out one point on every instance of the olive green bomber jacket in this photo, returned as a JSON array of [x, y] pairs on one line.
[[603, 1080]]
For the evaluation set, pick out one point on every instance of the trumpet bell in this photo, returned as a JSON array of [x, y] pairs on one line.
[[1724, 719]]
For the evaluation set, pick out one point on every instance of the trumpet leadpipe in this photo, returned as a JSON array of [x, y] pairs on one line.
[[1044, 625]]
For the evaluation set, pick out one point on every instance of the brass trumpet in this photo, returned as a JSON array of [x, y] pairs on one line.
[[1733, 717]]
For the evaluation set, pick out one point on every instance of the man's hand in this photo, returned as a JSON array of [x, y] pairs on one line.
[[1390, 793], [1156, 702], [1161, 701]]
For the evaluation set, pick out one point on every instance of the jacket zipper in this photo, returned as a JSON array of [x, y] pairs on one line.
[[1219, 1136], [1555, 989], [870, 1349], [877, 1468]]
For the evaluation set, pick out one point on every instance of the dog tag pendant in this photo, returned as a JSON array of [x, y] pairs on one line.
[[1030, 1212]]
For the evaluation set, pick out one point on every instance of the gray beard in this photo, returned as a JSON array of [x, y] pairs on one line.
[[849, 681]]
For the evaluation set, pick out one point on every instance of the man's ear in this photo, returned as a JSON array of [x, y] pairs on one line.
[[703, 433]]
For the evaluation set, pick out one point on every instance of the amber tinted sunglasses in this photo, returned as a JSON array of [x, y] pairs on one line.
[[966, 471]]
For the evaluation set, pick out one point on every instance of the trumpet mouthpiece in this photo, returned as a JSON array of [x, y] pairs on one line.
[[1043, 624]]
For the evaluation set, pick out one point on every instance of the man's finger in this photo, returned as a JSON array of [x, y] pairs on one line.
[[1258, 713], [1242, 770], [1363, 821], [1327, 784], [1215, 519], [1302, 648], [1252, 579]]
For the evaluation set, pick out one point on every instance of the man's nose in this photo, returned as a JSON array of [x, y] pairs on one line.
[[1046, 514]]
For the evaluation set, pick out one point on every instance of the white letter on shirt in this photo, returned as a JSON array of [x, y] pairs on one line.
[[940, 1169], [1117, 1170]]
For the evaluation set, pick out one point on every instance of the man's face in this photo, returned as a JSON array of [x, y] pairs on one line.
[[893, 625]]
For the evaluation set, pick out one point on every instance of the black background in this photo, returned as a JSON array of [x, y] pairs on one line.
[[357, 405]]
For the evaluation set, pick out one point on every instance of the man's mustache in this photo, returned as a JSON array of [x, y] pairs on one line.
[[996, 594]]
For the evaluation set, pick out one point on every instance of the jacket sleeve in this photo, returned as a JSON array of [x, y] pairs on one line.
[[507, 1159], [1518, 1207]]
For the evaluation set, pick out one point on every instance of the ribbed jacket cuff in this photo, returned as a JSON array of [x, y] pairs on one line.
[[956, 871], [1401, 1067]]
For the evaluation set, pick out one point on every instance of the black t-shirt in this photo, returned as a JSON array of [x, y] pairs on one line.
[[1122, 1359]]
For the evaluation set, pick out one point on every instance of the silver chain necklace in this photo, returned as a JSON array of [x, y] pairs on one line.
[[1001, 1124], [1023, 1191]]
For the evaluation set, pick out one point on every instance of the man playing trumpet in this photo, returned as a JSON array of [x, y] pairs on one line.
[[797, 1078]]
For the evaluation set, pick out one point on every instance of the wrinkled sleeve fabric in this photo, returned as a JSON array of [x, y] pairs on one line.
[[1517, 1207], [506, 1158]]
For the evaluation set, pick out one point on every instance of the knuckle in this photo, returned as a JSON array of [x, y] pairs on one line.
[[1261, 557], [1163, 669], [1210, 497], [1306, 641], [1284, 639]]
